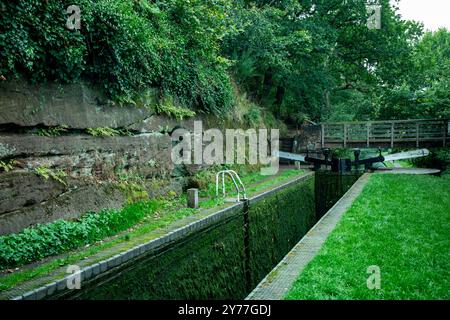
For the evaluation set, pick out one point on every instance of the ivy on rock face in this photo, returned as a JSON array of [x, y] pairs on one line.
[[126, 46]]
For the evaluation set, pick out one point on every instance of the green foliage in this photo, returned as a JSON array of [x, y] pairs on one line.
[[426, 92], [47, 173], [399, 223], [126, 46], [134, 192], [104, 132], [35, 42], [168, 108], [309, 67], [7, 166], [423, 90], [300, 60], [253, 117], [133, 187], [52, 131], [38, 242], [439, 158]]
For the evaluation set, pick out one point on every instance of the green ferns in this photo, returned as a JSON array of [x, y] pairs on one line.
[[168, 108], [7, 166], [52, 131], [47, 173], [103, 132]]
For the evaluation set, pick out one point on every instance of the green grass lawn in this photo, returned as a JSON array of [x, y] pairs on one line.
[[399, 223]]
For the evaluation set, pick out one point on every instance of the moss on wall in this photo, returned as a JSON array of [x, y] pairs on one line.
[[134, 192], [206, 265], [330, 187], [276, 224]]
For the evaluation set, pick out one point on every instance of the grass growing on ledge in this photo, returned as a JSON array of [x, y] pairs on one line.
[[36, 243], [399, 223], [149, 224], [148, 216]]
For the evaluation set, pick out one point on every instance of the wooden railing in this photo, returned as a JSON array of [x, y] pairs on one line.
[[434, 132]]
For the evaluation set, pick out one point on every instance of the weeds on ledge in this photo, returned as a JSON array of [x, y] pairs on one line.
[[47, 173]]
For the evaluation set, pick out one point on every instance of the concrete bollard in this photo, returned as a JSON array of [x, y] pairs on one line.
[[192, 198], [298, 165]]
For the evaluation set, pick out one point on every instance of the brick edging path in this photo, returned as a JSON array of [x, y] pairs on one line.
[[278, 282]]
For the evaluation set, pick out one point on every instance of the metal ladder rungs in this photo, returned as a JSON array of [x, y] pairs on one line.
[[238, 185]]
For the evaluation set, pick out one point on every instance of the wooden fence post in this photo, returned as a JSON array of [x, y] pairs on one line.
[[345, 135], [368, 134], [417, 134], [323, 136], [445, 129], [392, 134]]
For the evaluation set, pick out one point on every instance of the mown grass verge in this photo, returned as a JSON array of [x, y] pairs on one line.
[[134, 220], [400, 224]]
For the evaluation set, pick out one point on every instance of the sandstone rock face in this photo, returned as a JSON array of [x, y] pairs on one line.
[[95, 169], [77, 106], [82, 156], [22, 189], [162, 123], [69, 205], [92, 165]]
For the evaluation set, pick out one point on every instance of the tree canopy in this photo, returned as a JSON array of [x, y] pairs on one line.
[[299, 59]]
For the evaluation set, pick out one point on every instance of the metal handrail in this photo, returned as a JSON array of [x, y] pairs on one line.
[[234, 176]]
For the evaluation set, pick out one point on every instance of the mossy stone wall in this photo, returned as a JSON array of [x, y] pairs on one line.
[[223, 261], [330, 187], [276, 225]]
